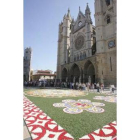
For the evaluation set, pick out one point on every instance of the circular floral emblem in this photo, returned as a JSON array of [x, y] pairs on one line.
[[98, 104], [112, 99], [81, 105], [72, 110], [76, 107], [59, 105], [95, 109]]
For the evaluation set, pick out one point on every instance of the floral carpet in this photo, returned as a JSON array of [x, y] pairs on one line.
[[42, 127], [112, 99], [75, 107], [55, 93]]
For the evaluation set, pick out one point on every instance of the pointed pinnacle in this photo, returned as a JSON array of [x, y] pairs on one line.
[[68, 10]]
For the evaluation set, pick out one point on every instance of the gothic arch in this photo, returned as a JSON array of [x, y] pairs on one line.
[[89, 72], [80, 33], [64, 74], [74, 73], [108, 14]]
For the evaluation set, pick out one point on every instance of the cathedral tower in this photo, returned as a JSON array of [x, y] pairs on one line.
[[63, 42], [105, 22], [27, 63]]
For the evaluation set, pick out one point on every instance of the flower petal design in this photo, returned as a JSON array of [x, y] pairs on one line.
[[73, 110]]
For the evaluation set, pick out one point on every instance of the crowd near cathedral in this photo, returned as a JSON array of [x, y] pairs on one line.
[[87, 52]]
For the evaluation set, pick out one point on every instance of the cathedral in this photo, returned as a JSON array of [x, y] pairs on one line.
[[87, 52]]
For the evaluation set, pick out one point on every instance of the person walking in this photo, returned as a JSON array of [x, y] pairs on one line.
[[113, 88], [102, 87], [72, 85], [84, 86], [88, 86], [98, 87], [92, 86]]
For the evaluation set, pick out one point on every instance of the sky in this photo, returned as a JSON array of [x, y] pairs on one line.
[[41, 20]]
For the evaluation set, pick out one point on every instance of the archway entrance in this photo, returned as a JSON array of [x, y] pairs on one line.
[[64, 75], [89, 72], [74, 73]]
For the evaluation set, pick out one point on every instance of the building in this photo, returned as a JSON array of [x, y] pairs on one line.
[[27, 63], [38, 75], [87, 53]]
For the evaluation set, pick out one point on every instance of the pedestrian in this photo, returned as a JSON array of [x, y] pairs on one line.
[[88, 86], [102, 87], [76, 85], [94, 85], [72, 85], [98, 87], [84, 86], [113, 88]]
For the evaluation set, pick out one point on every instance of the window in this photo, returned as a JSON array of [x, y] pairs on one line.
[[80, 23], [107, 2], [108, 19]]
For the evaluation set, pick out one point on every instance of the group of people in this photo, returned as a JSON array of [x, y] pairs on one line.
[[71, 85], [39, 84]]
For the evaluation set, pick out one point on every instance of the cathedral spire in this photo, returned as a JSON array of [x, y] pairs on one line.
[[68, 14], [68, 10], [64, 16], [87, 14], [87, 11]]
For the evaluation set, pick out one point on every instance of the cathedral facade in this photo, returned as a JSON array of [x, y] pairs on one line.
[[87, 53]]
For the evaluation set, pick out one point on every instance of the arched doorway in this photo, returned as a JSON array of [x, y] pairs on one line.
[[89, 72], [74, 73], [64, 75]]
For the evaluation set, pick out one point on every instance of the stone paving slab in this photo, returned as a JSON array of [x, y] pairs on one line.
[[26, 134]]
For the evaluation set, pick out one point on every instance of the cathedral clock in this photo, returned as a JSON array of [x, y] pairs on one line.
[[79, 42], [111, 44]]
